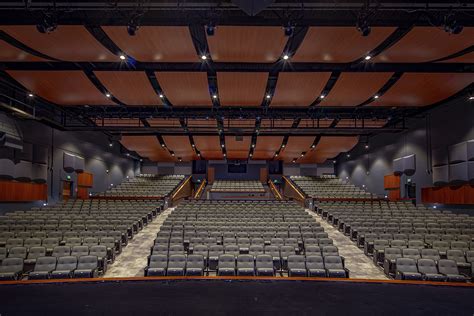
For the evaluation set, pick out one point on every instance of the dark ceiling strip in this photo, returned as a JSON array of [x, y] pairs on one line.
[[93, 78], [253, 141], [14, 42], [294, 126], [201, 46], [314, 13], [390, 82], [465, 51], [295, 41], [392, 39], [313, 146], [157, 88], [220, 127], [105, 40], [327, 88], [334, 123], [269, 90], [213, 67], [184, 125], [158, 137]]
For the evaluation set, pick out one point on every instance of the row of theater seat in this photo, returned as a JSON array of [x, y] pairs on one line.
[[328, 187], [52, 268], [246, 265], [237, 186], [157, 186]]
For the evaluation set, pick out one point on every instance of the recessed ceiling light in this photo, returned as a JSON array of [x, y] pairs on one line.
[[111, 144], [222, 145], [286, 57], [108, 95], [30, 95], [312, 146], [122, 57], [253, 145], [471, 98], [161, 96], [128, 154], [250, 155], [214, 96], [283, 146], [376, 96], [334, 161], [203, 57], [366, 146], [162, 145], [368, 57], [276, 155], [225, 155], [268, 96], [193, 145], [348, 155], [172, 154], [302, 155], [322, 96]]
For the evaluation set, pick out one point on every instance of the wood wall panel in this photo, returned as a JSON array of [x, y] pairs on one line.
[[155, 43], [61, 87], [336, 44], [130, 87], [421, 89], [394, 195], [241, 89], [250, 44], [210, 174], [425, 43], [85, 179], [82, 193], [185, 88], [298, 88], [67, 42], [11, 53], [448, 195], [264, 174], [11, 191], [391, 182], [352, 89]]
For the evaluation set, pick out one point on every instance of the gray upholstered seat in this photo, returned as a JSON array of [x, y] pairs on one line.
[[43, 268], [429, 271], [11, 269], [315, 266], [264, 265], [87, 267], [176, 265], [296, 265], [195, 265], [406, 269], [450, 269], [245, 265], [157, 266], [226, 265], [334, 267]]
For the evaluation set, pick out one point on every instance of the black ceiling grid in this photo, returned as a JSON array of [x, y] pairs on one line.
[[327, 88], [157, 88], [98, 33], [93, 78], [390, 82]]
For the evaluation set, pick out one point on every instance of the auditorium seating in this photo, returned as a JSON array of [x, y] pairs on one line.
[[418, 237], [251, 238], [145, 186], [237, 186], [80, 237], [328, 187]]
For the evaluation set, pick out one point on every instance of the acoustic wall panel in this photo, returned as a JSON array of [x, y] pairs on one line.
[[40, 154], [470, 149], [409, 165], [79, 164], [439, 156], [68, 162], [23, 171], [440, 175], [458, 152], [458, 173], [7, 169], [470, 171], [26, 153], [397, 166], [39, 173]]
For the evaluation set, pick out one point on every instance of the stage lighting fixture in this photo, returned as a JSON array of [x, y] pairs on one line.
[[363, 25], [48, 24], [451, 25], [210, 29], [289, 30], [132, 28]]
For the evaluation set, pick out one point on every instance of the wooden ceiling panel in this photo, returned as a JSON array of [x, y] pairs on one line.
[[130, 87], [61, 87], [167, 122], [131, 122], [202, 123], [295, 146], [370, 123], [146, 146], [266, 147], [237, 149], [421, 89], [67, 42], [329, 147], [336, 44], [248, 44], [298, 89], [209, 146], [181, 146], [307, 123], [425, 43], [352, 89], [237, 123], [185, 88], [241, 89], [267, 123], [466, 58], [155, 43], [11, 53]]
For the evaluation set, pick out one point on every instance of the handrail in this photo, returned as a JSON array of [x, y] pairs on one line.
[[274, 190], [294, 187], [200, 189], [181, 186]]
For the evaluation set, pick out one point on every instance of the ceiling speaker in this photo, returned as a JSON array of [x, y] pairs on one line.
[[252, 7]]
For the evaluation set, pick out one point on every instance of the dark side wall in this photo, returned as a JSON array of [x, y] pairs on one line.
[[450, 124], [93, 146]]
